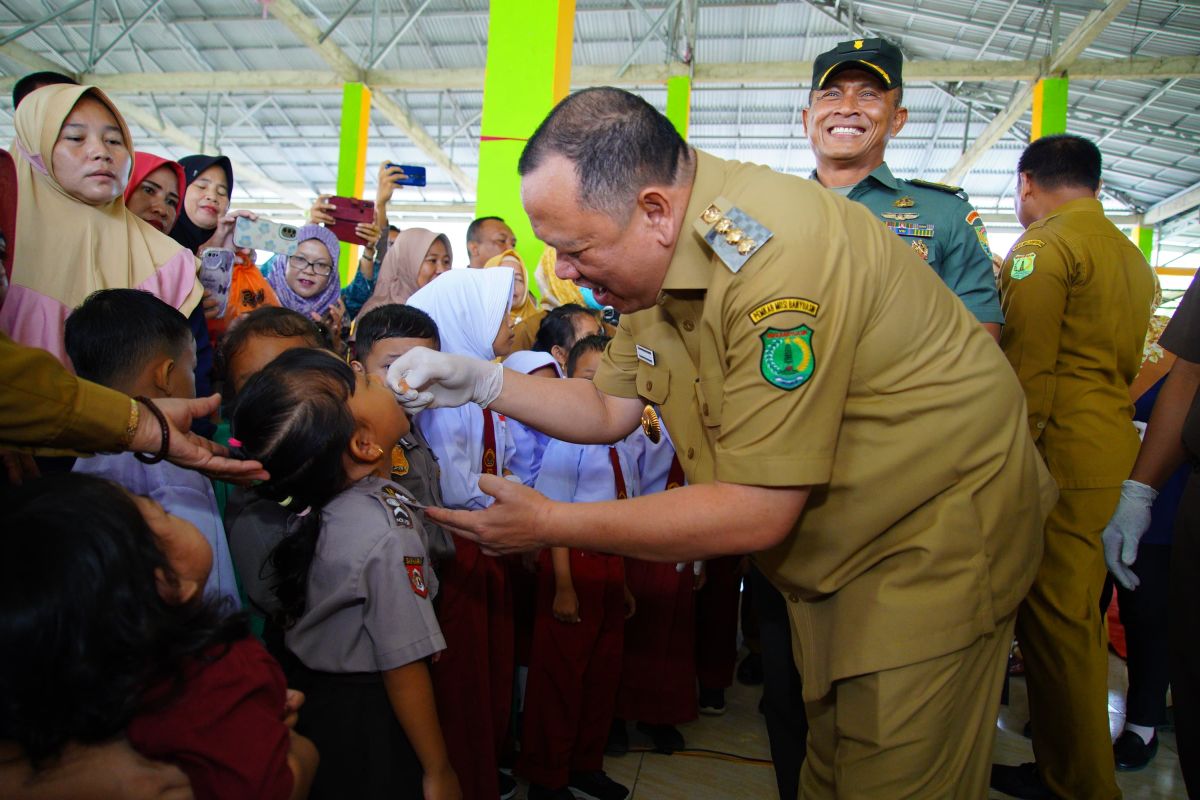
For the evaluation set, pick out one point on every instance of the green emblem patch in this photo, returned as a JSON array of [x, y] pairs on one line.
[[787, 360], [1022, 266]]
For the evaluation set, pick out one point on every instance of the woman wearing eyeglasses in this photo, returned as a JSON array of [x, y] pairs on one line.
[[308, 281]]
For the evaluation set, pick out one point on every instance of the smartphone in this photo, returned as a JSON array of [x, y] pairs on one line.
[[216, 275], [263, 234], [347, 213], [413, 176]]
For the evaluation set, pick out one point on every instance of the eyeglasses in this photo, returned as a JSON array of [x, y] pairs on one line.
[[302, 264]]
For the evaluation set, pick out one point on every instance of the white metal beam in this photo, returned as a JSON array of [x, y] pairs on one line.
[[1173, 206], [1074, 44]]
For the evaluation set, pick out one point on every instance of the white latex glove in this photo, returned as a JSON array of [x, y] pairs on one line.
[[1124, 531], [424, 378]]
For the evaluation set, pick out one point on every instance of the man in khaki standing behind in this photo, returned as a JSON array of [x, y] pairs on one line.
[[1077, 298]]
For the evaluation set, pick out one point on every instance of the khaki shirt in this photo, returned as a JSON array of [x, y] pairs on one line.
[[924, 525], [1077, 295]]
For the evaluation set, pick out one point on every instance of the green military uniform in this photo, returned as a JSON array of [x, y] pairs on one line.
[[1077, 295], [796, 342], [942, 228]]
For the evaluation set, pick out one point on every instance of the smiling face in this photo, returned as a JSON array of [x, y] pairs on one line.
[[622, 262], [309, 269], [851, 120], [91, 158], [207, 197], [436, 261], [156, 199]]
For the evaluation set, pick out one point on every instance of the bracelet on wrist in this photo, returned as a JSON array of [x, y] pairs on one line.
[[132, 425], [166, 433]]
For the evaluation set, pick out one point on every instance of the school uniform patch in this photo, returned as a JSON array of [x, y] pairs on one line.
[[787, 358], [1022, 266], [400, 465], [416, 578], [782, 304], [1030, 243]]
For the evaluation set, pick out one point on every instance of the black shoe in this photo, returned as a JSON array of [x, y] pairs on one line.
[[667, 738], [1131, 753], [1020, 781], [712, 702], [749, 672], [508, 787], [596, 786], [618, 739], [537, 792]]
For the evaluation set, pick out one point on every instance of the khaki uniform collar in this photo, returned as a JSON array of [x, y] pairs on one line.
[[691, 265], [1089, 204]]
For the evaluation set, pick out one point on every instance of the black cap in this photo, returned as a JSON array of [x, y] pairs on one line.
[[877, 56]]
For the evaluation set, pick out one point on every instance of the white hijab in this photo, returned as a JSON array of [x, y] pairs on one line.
[[468, 306], [530, 361]]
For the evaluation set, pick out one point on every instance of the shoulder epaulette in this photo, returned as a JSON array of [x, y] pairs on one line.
[[945, 187]]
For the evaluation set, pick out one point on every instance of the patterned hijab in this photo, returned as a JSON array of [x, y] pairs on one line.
[[277, 275]]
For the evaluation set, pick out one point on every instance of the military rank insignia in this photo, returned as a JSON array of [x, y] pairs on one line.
[[900, 216], [904, 202], [921, 249], [1022, 266], [787, 357], [733, 234], [976, 222], [413, 564], [396, 505]]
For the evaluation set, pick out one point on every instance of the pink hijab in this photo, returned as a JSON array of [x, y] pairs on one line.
[[397, 280]]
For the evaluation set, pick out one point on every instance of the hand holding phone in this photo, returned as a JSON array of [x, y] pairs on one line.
[[413, 176], [348, 213], [263, 234]]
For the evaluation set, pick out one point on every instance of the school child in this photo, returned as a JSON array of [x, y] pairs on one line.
[[582, 604], [255, 525], [658, 665], [384, 334], [106, 631], [352, 579], [529, 443], [131, 341], [474, 677]]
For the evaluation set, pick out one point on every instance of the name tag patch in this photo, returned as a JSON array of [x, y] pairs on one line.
[[645, 354], [781, 304]]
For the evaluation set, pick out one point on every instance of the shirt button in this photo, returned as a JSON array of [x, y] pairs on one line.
[[793, 597], [649, 386], [688, 325], [691, 452], [1041, 425]]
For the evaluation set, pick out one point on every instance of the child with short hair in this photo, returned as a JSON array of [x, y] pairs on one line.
[[474, 678], [384, 334], [582, 606], [131, 341], [105, 632], [354, 591]]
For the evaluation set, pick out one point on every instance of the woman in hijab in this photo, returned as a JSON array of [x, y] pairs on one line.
[[154, 190], [74, 156], [308, 281], [526, 316], [413, 260], [205, 202]]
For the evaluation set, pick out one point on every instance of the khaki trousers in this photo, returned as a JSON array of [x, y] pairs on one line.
[[918, 731], [1064, 641]]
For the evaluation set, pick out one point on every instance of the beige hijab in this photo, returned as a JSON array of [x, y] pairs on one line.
[[68, 249], [397, 279], [555, 291], [527, 307]]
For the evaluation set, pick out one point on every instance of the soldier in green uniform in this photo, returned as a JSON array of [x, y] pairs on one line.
[[835, 408], [1078, 296], [855, 108]]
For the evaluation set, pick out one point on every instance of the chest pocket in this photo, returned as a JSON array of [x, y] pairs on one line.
[[653, 382]]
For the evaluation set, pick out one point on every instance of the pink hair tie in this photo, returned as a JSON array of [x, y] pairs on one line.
[[304, 513], [235, 442]]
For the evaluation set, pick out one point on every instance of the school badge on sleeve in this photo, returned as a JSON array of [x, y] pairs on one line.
[[1022, 266], [413, 564], [787, 358]]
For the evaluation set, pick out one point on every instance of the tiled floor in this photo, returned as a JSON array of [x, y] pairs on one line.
[[701, 776]]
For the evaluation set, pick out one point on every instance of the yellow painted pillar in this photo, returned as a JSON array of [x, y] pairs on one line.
[[528, 72], [352, 160], [1143, 237], [679, 102], [1049, 107]]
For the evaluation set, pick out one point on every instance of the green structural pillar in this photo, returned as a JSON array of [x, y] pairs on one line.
[[679, 102], [352, 160], [1143, 237], [1049, 107], [528, 72]]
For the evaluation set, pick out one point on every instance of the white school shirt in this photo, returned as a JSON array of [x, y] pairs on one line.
[[583, 473], [455, 436]]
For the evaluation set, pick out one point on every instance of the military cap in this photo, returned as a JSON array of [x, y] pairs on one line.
[[878, 56]]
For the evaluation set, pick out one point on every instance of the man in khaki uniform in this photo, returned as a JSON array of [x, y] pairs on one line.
[[1077, 297], [835, 408]]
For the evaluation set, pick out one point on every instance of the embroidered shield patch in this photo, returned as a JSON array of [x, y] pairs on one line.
[[1022, 266], [787, 358], [415, 577]]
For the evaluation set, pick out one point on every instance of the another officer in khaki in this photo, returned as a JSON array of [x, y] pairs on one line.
[[1077, 297], [824, 391], [855, 108]]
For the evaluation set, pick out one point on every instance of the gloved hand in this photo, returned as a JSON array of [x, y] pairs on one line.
[[423, 378], [1124, 531]]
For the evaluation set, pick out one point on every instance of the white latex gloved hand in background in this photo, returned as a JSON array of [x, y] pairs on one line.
[[424, 378], [1125, 530]]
